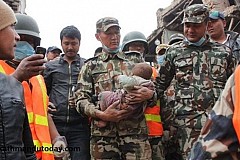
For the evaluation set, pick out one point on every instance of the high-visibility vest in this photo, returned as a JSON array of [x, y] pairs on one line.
[[153, 118], [5, 68], [36, 100], [152, 115], [236, 113], [154, 73]]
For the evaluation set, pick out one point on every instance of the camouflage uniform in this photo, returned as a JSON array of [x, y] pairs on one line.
[[200, 74], [155, 141], [233, 43], [218, 139], [126, 139]]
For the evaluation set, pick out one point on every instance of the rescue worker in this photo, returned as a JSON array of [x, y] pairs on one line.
[[169, 140], [41, 125], [201, 69], [220, 136], [15, 136], [136, 41], [217, 33], [122, 138], [176, 37], [160, 54]]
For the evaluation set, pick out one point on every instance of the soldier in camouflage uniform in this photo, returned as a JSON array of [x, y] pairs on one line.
[[201, 69], [218, 139], [135, 47], [170, 144], [122, 138]]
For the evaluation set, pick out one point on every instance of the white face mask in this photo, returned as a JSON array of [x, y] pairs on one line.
[[23, 50]]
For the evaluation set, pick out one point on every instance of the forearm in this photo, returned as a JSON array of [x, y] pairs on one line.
[[17, 76], [152, 101], [84, 107], [91, 110], [166, 75], [99, 114], [52, 128]]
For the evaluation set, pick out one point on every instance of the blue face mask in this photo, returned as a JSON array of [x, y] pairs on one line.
[[23, 50], [199, 43], [112, 51], [160, 59]]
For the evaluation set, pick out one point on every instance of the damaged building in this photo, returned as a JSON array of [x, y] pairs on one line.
[[170, 20], [18, 6]]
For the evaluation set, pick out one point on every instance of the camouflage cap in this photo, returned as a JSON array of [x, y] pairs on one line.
[[104, 23], [196, 13]]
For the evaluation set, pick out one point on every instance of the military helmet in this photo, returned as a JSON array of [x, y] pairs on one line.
[[196, 13], [176, 37], [28, 26], [134, 36]]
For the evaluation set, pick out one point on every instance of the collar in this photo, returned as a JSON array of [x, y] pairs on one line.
[[186, 42], [12, 64], [227, 38], [62, 60], [105, 56]]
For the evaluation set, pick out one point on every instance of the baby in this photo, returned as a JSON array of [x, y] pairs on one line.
[[142, 73]]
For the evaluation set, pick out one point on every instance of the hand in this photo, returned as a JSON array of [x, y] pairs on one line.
[[59, 146], [72, 102], [51, 107], [100, 123], [169, 134], [138, 95], [112, 113], [29, 67]]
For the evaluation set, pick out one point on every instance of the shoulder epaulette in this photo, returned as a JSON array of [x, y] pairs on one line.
[[91, 59], [122, 55]]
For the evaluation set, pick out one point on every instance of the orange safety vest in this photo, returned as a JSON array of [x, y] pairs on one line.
[[236, 113], [155, 73], [152, 115], [36, 100]]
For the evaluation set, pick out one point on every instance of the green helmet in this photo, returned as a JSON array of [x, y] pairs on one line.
[[28, 26], [176, 37], [134, 36]]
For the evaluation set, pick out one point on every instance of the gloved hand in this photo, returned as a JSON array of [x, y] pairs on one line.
[[59, 146]]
